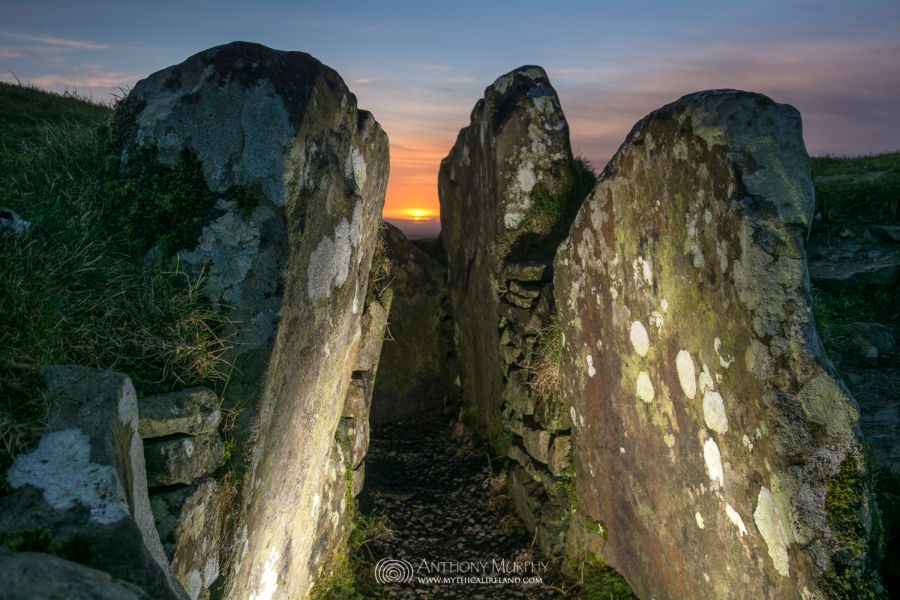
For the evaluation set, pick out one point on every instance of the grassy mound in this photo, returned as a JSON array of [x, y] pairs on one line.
[[863, 187], [78, 286]]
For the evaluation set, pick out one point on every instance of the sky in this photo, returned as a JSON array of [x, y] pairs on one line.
[[420, 66]]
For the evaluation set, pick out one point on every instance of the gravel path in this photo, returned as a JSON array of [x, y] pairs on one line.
[[449, 517]]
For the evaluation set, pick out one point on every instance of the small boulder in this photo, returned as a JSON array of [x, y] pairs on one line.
[[870, 341]]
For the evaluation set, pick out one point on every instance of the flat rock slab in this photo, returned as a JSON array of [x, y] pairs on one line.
[[191, 411], [33, 575], [182, 459]]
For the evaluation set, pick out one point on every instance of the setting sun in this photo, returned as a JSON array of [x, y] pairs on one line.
[[418, 214]]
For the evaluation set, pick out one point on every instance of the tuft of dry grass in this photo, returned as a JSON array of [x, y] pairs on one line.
[[544, 369]]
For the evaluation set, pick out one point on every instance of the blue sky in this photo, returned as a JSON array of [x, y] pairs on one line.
[[420, 66]]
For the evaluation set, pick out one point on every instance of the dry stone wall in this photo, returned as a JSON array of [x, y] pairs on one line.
[[515, 146], [717, 454], [515, 152]]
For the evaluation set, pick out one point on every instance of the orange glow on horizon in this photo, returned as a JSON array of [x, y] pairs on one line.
[[412, 187], [414, 214]]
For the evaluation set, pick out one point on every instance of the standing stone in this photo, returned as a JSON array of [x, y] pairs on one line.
[[516, 145], [301, 173], [717, 454], [81, 493], [417, 358]]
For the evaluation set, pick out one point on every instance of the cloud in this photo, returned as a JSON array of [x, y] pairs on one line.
[[87, 80], [54, 40]]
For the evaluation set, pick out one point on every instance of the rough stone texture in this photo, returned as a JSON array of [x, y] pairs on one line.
[[191, 411], [418, 363], [708, 424], [516, 141], [182, 459], [33, 575], [81, 493], [294, 268], [190, 525]]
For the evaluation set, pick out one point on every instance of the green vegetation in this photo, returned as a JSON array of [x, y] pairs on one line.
[[25, 112], [350, 576], [379, 273], [834, 311], [551, 213], [597, 581], [76, 288], [862, 187], [845, 505]]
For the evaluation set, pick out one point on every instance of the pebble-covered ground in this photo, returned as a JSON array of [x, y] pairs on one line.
[[445, 506]]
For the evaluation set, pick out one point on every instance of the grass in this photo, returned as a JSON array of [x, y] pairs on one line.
[[25, 112], [834, 311], [544, 369], [853, 190], [75, 288], [548, 219]]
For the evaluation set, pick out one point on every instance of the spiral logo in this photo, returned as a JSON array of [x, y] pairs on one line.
[[392, 570]]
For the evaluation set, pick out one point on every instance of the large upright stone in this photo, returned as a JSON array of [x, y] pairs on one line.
[[281, 129], [714, 446], [81, 493], [516, 145]]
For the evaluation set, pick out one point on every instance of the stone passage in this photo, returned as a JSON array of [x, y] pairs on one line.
[[418, 362], [716, 453]]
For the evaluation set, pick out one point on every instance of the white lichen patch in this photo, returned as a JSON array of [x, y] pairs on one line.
[[699, 519], [355, 168], [591, 371], [642, 271], [317, 499], [705, 382], [713, 459], [194, 584], [724, 362], [714, 412], [644, 387], [748, 443], [268, 581], [572, 415], [227, 249], [735, 519], [687, 375], [329, 263], [188, 447], [60, 467], [640, 341], [771, 526]]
